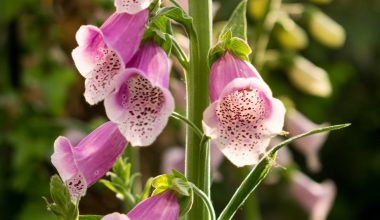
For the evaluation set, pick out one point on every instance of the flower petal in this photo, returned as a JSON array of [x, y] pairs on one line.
[[227, 68], [123, 32], [152, 60], [163, 206], [90, 49], [141, 109], [96, 153], [98, 83], [243, 120], [132, 6], [296, 124], [115, 216], [64, 161], [316, 198]]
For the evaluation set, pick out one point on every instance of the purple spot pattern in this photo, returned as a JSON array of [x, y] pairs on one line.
[[99, 83], [77, 186], [241, 115], [143, 105]]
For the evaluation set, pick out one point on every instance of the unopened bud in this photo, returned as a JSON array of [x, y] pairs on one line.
[[257, 8], [309, 78], [290, 35], [326, 30]]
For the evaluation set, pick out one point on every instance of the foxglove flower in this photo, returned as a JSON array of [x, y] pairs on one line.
[[296, 124], [163, 206], [243, 116], [131, 6], [141, 103], [82, 165], [103, 52], [316, 198]]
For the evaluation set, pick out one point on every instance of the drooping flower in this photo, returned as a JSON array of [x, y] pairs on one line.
[[296, 124], [316, 198], [82, 165], [243, 116], [163, 206], [132, 6], [103, 52], [141, 103]]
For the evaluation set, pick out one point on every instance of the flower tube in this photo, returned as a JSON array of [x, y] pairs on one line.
[[163, 206], [316, 198], [82, 165], [296, 124], [243, 116], [103, 52], [142, 103]]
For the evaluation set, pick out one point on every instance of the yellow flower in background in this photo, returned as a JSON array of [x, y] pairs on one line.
[[310, 78], [290, 35], [326, 30], [257, 8]]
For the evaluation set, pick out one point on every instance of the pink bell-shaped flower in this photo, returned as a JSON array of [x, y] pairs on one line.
[[296, 124], [243, 116], [103, 52], [316, 198], [82, 165], [141, 102], [163, 206]]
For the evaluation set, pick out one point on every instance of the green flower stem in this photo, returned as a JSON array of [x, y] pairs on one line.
[[195, 129], [198, 100], [206, 200], [268, 22], [180, 54]]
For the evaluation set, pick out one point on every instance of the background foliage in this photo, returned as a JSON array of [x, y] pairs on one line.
[[41, 98]]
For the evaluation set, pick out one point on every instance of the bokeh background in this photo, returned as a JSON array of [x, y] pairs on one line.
[[41, 98]]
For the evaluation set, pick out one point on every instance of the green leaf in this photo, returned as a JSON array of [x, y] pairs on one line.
[[239, 47], [146, 191], [90, 217], [186, 202], [181, 186], [162, 180], [178, 15], [237, 24], [62, 206], [109, 185], [259, 172]]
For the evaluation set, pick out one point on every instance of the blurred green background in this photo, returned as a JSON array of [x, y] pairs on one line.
[[41, 98]]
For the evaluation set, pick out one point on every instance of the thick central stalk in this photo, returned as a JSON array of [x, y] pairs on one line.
[[197, 159]]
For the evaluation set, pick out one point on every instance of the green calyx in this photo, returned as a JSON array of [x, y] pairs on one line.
[[178, 183]]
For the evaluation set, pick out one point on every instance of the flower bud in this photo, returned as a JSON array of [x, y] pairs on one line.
[[290, 35], [326, 30], [257, 8], [309, 78]]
